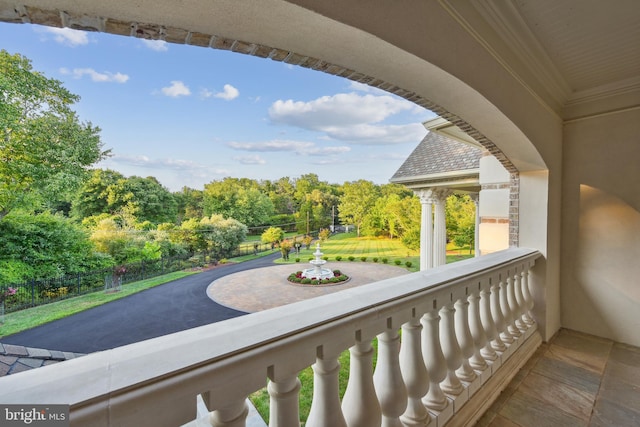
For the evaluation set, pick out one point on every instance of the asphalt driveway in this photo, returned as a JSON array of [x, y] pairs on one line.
[[171, 307]]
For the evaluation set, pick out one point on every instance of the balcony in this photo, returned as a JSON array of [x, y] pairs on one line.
[[449, 340]]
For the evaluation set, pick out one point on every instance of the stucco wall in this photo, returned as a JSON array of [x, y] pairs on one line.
[[601, 226]]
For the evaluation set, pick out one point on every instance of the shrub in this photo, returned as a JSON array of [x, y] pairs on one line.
[[337, 273], [326, 258], [363, 258], [311, 258], [351, 257], [375, 259], [339, 258], [297, 259], [385, 260], [305, 281], [398, 262], [408, 264]]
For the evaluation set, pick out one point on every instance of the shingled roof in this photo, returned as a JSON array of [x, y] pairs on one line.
[[437, 154]]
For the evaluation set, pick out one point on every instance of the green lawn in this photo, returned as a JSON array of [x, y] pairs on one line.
[[347, 244]]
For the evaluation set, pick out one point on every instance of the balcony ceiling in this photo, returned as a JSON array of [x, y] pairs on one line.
[[580, 56]]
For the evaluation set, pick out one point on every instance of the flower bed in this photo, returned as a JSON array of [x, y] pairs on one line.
[[338, 277]]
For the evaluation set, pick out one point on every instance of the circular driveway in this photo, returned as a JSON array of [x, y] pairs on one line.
[[263, 288]]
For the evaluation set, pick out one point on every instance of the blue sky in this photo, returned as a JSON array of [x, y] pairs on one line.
[[190, 115]]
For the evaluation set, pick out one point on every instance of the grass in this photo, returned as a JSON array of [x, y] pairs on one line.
[[30, 318], [348, 244], [260, 398]]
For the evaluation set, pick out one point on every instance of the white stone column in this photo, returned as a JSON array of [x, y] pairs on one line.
[[387, 378], [284, 402], [476, 235], [440, 227], [325, 406], [414, 374], [426, 229], [360, 404]]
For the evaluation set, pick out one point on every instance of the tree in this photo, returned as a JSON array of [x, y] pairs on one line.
[[357, 200], [45, 150], [43, 246], [240, 199], [272, 235], [189, 203]]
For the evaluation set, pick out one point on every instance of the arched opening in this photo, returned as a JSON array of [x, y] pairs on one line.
[[434, 64]]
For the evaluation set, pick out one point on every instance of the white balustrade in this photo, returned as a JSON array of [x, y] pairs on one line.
[[504, 308], [434, 361], [156, 382], [512, 306], [465, 340], [527, 296], [360, 404], [387, 379], [284, 409], [479, 337], [325, 407], [414, 374], [488, 324]]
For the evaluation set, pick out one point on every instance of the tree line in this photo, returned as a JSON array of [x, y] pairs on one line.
[[60, 215]]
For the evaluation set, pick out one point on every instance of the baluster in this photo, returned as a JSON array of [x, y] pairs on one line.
[[325, 407], [503, 307], [451, 351], [479, 338], [465, 340], [498, 319], [434, 361], [488, 325], [512, 306], [387, 378], [414, 374], [284, 408], [233, 415], [520, 304], [360, 403], [527, 297]]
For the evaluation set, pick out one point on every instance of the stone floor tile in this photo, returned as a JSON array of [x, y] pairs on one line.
[[4, 369], [31, 362], [57, 355], [626, 354], [16, 350], [587, 360], [486, 418], [574, 376], [2, 351], [500, 421], [623, 393], [9, 360], [527, 411], [39, 353], [19, 367], [571, 400], [607, 414], [616, 371]]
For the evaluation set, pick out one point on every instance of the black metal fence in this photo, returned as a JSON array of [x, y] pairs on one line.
[[43, 291]]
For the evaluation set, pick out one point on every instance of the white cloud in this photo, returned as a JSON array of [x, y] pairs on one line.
[[176, 89], [350, 117], [250, 160], [229, 92], [157, 45], [107, 76], [68, 37], [274, 145], [298, 147], [327, 151], [361, 87]]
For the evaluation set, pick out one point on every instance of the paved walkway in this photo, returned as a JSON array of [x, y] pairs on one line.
[[264, 288]]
